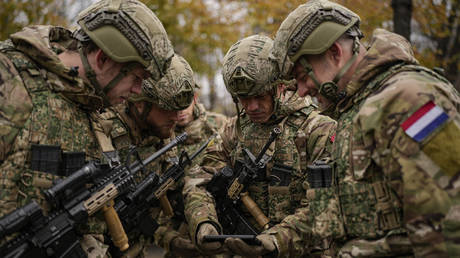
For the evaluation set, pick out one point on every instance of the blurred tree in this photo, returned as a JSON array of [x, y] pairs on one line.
[[266, 16], [16, 14], [402, 16], [201, 31], [437, 22]]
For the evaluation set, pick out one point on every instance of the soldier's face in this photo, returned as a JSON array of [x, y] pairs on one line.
[[185, 116], [258, 108], [306, 86], [106, 70], [161, 122], [130, 84]]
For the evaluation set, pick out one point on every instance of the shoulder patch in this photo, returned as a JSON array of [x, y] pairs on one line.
[[439, 136], [423, 122]]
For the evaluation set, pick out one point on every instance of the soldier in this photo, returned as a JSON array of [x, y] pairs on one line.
[[397, 149], [52, 79], [199, 124], [252, 81], [147, 122]]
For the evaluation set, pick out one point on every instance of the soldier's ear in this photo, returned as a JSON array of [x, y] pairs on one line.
[[101, 58], [336, 53]]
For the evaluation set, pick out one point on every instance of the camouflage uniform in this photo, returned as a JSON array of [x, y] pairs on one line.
[[125, 132], [392, 195], [305, 137], [42, 103], [203, 125]]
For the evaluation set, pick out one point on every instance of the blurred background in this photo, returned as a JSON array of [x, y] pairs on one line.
[[203, 30]]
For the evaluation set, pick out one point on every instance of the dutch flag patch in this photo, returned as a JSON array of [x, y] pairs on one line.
[[424, 121]]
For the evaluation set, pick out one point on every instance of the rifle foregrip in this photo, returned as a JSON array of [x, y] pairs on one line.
[[115, 227], [166, 206], [255, 211]]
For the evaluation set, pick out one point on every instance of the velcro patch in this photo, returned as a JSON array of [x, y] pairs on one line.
[[444, 148]]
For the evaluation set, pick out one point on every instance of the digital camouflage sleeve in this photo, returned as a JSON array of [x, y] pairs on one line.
[[15, 105], [41, 103]]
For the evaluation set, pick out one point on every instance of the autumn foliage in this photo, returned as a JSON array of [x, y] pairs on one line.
[[203, 30]]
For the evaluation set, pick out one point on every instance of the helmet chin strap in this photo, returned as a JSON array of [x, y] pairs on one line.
[[239, 133], [329, 89], [91, 75]]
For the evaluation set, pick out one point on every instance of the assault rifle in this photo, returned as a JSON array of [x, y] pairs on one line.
[[55, 235], [236, 184], [134, 206]]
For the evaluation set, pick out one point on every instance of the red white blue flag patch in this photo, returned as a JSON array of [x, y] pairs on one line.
[[424, 121]]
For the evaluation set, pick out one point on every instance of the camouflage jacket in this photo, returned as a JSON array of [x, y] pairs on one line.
[[396, 192], [305, 137], [41, 102], [203, 125], [124, 133]]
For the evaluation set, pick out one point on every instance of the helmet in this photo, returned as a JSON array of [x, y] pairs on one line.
[[311, 29], [127, 31], [174, 91], [247, 70]]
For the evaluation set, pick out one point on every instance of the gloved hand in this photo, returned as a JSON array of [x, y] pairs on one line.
[[239, 247], [182, 247], [211, 247]]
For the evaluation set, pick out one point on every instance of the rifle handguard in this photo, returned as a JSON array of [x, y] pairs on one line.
[[115, 227], [255, 211]]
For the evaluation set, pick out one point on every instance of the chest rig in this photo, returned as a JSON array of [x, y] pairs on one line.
[[54, 122], [278, 188]]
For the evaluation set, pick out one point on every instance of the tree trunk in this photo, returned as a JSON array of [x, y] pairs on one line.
[[212, 93], [402, 15]]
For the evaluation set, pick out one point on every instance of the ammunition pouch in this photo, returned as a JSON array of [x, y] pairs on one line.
[[51, 159], [319, 174], [389, 217], [369, 209], [280, 175]]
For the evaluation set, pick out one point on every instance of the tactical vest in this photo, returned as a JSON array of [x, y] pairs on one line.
[[54, 120], [370, 208], [278, 190]]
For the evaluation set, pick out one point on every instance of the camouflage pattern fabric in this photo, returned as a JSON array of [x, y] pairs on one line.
[[203, 125], [40, 103], [124, 133], [305, 137], [395, 196]]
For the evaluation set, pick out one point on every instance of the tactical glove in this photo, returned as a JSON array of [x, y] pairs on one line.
[[239, 247], [211, 247], [182, 247]]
